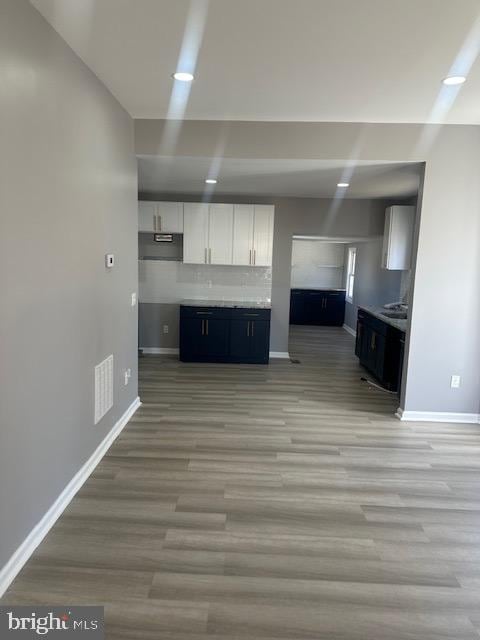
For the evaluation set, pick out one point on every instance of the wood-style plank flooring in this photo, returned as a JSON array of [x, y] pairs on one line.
[[281, 502]]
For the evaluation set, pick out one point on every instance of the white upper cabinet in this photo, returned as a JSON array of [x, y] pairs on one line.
[[243, 216], [263, 235], [160, 217], [170, 217], [220, 234], [195, 233], [227, 234], [147, 212], [398, 238]]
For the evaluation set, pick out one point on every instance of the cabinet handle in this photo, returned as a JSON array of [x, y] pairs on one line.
[[209, 256], [154, 222], [248, 329], [206, 321], [254, 256], [251, 314], [159, 223], [204, 313], [373, 341], [250, 257], [206, 255], [203, 328], [251, 330]]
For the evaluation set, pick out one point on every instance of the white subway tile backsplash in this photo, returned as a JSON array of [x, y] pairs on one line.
[[171, 282]]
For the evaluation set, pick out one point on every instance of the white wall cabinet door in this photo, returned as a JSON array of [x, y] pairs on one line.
[[147, 212], [243, 216], [263, 235], [195, 238], [220, 234], [398, 238], [170, 217]]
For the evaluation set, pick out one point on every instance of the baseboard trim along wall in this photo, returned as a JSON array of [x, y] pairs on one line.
[[155, 351], [437, 416], [40, 530], [174, 351], [349, 330]]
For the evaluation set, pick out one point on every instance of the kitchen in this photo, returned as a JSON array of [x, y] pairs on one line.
[[205, 282], [363, 286]]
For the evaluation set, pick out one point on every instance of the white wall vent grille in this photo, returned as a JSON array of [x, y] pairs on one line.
[[103, 388]]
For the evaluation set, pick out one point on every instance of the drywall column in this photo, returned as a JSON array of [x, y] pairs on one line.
[[444, 331]]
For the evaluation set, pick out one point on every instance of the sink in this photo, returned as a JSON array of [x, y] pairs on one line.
[[398, 315]]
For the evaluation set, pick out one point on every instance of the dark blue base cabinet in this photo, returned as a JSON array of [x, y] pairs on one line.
[[380, 347], [317, 306], [218, 334]]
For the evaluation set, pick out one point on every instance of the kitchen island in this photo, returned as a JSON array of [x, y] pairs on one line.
[[225, 331]]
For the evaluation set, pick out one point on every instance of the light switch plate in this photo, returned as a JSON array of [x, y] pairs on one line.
[[455, 382], [134, 299]]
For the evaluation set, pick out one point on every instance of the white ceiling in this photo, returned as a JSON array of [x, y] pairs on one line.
[[301, 178], [295, 60]]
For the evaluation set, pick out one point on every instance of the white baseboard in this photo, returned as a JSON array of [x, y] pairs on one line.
[[40, 530], [175, 351], [437, 416], [160, 350], [349, 330]]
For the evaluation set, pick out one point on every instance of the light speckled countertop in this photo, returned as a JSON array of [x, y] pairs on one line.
[[227, 304], [315, 289], [393, 322]]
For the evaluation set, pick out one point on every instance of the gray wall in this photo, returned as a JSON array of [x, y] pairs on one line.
[[68, 195], [447, 272], [373, 286], [317, 264]]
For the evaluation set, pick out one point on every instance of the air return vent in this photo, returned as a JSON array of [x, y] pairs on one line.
[[103, 388]]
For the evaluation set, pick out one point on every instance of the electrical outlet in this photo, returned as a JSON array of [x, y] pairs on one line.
[[455, 382], [134, 299], [165, 328], [127, 378]]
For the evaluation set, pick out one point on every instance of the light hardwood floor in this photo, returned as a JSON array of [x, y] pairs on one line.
[[280, 502]]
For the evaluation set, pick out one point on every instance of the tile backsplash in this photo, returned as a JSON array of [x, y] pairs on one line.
[[171, 282]]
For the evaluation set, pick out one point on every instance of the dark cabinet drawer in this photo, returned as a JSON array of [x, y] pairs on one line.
[[251, 314], [205, 312]]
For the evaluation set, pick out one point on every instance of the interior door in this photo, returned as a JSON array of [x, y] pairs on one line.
[[220, 234], [243, 218], [263, 235], [195, 235]]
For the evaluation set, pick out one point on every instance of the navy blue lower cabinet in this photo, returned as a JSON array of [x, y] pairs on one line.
[[379, 347], [211, 334], [317, 307]]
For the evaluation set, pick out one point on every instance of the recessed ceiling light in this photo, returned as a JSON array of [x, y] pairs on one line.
[[211, 181], [453, 80], [182, 76], [343, 185]]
